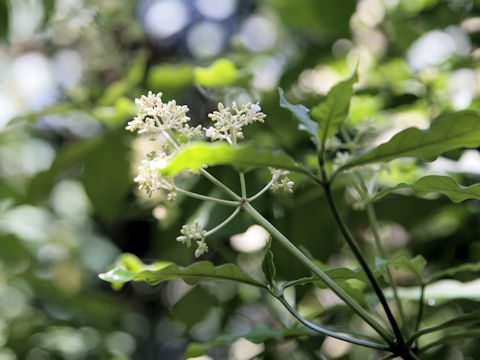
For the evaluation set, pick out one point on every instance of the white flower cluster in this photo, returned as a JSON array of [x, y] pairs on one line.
[[228, 126], [341, 158], [149, 179], [280, 180], [194, 232], [156, 116]]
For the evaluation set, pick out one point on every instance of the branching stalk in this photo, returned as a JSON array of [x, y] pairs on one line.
[[224, 222], [361, 259], [387, 336], [327, 332], [206, 198]]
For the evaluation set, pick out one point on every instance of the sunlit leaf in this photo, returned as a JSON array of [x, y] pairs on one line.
[[168, 76], [457, 130], [439, 184], [197, 154], [301, 114], [221, 73], [198, 271], [332, 113]]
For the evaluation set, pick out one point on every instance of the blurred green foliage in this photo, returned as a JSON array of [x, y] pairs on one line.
[[69, 207]]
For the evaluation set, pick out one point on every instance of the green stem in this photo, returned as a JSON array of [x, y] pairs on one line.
[[219, 184], [327, 332], [242, 185], [421, 306], [318, 272], [361, 259], [224, 222], [206, 198], [261, 192], [374, 226], [462, 320], [452, 337]]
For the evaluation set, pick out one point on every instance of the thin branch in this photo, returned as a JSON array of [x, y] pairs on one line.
[[327, 332], [206, 198], [224, 222]]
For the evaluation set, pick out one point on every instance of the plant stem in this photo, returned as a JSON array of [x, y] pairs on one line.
[[361, 259], [420, 307], [327, 332], [242, 185], [261, 192], [224, 222], [206, 198], [374, 226], [219, 184], [319, 273]]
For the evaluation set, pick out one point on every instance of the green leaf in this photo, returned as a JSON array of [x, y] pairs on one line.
[[170, 76], [414, 266], [441, 184], [221, 73], [457, 130], [332, 113], [197, 154], [202, 270], [301, 114], [256, 335], [469, 267], [268, 266]]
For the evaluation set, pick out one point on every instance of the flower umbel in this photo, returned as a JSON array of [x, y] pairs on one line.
[[194, 232], [228, 124], [280, 180], [149, 179], [155, 116]]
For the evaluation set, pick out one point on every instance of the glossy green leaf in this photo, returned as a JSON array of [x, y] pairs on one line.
[[439, 184], [457, 130], [198, 271], [332, 113], [221, 73], [268, 266], [197, 154], [301, 114], [414, 266], [450, 272], [257, 335]]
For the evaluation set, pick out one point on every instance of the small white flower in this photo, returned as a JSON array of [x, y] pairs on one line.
[[341, 158], [280, 180], [191, 232], [228, 123], [150, 180], [201, 249]]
